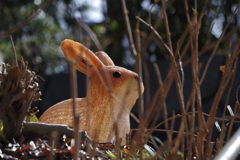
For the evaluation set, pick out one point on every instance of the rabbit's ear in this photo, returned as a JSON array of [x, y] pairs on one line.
[[74, 51], [106, 60]]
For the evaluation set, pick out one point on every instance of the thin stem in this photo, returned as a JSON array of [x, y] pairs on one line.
[[166, 25], [128, 28], [91, 34], [73, 86], [217, 44], [15, 54], [26, 21]]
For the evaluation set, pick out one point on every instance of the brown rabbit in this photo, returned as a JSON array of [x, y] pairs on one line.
[[112, 92]]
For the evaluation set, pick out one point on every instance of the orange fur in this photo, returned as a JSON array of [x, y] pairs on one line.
[[109, 100]]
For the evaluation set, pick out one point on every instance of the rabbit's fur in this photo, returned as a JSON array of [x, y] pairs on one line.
[[109, 100]]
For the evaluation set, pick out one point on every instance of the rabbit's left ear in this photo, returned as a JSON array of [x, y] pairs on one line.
[[106, 60], [84, 58]]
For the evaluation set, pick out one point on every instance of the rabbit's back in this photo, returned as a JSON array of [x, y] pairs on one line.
[[62, 112]]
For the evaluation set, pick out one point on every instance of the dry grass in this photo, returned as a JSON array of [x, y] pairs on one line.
[[191, 140]]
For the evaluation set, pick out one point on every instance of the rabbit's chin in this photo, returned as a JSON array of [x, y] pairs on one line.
[[129, 98]]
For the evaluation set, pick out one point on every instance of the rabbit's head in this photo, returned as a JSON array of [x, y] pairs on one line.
[[107, 80]]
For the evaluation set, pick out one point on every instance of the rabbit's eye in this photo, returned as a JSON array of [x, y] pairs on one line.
[[116, 74]]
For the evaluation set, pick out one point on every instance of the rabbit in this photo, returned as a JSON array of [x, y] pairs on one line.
[[112, 92]]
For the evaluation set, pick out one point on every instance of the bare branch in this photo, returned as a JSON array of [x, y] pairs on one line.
[[216, 46], [166, 25], [15, 54], [128, 28], [91, 34], [26, 21]]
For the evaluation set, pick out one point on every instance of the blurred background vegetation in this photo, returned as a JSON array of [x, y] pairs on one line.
[[39, 26]]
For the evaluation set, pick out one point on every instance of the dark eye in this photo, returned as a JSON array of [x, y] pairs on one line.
[[116, 74]]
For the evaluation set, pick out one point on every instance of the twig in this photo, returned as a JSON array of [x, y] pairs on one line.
[[146, 81], [166, 130], [137, 38], [76, 137], [91, 34], [181, 42], [196, 95], [149, 38], [128, 28], [54, 136], [166, 25], [227, 100], [209, 34], [172, 124], [211, 46], [177, 79], [217, 44], [154, 110], [15, 54], [163, 103], [134, 52], [234, 116], [73, 86], [191, 139], [158, 36], [202, 14], [230, 87], [227, 75], [168, 83], [139, 69], [22, 24]]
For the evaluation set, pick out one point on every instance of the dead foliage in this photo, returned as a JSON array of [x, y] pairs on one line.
[[18, 90]]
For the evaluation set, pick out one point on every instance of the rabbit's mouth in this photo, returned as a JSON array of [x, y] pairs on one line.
[[137, 90], [141, 89]]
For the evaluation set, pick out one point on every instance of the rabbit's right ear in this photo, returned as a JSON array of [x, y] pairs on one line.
[[74, 51], [106, 60]]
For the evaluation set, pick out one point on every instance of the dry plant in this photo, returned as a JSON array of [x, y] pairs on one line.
[[190, 140], [18, 88]]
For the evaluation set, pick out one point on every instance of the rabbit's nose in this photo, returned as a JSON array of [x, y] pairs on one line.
[[137, 77]]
